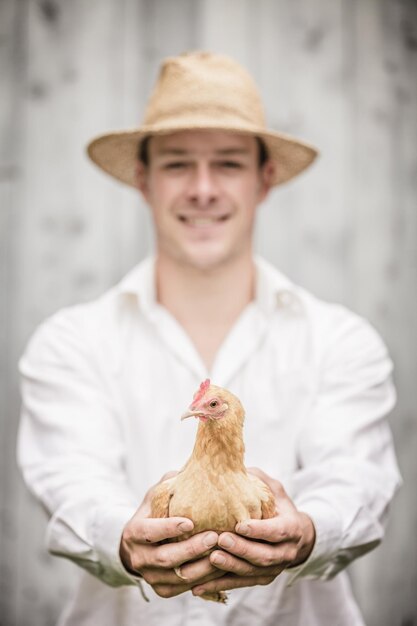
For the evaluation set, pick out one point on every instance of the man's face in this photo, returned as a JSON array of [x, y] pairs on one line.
[[203, 188]]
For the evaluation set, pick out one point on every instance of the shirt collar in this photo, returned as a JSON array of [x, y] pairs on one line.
[[273, 289], [140, 282]]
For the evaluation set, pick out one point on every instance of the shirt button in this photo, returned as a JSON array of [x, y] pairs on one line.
[[285, 298]]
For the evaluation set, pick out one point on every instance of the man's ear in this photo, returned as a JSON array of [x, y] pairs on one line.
[[141, 177], [266, 177]]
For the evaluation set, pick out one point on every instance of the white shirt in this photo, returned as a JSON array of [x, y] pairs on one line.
[[104, 385]]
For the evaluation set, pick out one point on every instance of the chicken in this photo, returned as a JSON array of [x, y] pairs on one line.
[[214, 489]]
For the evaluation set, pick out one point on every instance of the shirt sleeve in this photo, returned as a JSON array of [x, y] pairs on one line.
[[348, 472], [70, 449]]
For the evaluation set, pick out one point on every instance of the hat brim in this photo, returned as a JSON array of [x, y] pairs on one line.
[[116, 153]]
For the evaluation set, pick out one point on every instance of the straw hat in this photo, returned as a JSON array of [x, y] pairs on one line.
[[197, 91]]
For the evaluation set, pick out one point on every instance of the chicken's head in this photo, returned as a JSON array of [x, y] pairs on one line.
[[214, 403]]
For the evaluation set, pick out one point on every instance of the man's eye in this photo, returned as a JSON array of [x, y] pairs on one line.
[[230, 164], [175, 165]]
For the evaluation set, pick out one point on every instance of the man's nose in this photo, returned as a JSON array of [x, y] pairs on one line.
[[203, 187]]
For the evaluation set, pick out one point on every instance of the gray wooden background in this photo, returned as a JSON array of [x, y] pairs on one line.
[[341, 73]]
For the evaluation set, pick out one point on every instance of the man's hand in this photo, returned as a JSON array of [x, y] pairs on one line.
[[266, 548], [159, 564]]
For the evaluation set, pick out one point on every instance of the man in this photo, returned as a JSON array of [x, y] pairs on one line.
[[104, 385]]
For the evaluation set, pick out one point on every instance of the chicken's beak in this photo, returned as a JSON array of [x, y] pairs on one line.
[[191, 414]]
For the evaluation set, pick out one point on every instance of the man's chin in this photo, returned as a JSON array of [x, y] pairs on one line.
[[206, 262]]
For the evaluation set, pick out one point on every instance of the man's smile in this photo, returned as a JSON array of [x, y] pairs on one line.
[[203, 221]]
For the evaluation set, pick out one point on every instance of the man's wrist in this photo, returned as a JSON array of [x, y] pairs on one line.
[[308, 539], [124, 556], [107, 533]]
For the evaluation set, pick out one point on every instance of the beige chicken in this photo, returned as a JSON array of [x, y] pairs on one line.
[[214, 489]]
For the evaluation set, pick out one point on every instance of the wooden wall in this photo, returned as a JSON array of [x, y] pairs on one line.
[[341, 73]]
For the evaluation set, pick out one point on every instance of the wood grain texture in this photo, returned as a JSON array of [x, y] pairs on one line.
[[12, 73], [340, 73]]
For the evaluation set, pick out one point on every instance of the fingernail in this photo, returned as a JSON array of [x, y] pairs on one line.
[[179, 573], [227, 541], [185, 526], [210, 539], [243, 529], [218, 558]]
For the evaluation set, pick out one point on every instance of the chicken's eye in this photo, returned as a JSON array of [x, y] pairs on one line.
[[213, 404]]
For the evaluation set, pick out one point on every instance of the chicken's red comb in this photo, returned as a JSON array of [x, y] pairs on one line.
[[200, 392]]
